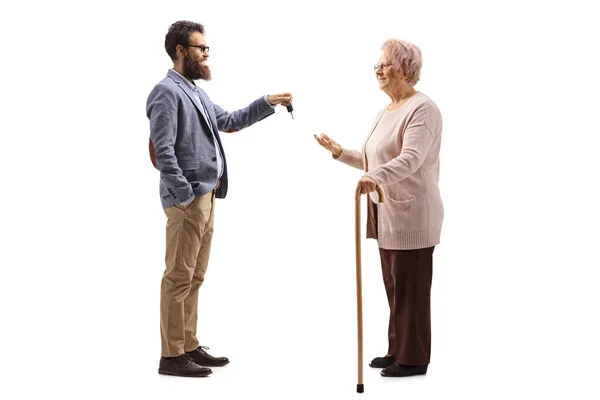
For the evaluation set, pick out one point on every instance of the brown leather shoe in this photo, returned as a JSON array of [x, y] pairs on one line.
[[182, 366], [201, 357]]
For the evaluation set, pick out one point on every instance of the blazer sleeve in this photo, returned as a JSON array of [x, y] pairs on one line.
[[242, 118], [161, 109]]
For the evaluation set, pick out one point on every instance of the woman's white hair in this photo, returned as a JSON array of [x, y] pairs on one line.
[[405, 58]]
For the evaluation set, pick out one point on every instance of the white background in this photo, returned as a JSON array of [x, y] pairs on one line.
[[514, 297]]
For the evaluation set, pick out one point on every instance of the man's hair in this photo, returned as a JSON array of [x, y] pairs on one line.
[[179, 33]]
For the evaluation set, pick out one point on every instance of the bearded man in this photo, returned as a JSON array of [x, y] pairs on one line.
[[186, 148]]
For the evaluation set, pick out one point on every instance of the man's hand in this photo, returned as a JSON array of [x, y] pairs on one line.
[[282, 98], [365, 185], [186, 204]]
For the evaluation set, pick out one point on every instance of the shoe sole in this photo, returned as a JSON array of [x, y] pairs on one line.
[[211, 366], [165, 372], [379, 366], [401, 376]]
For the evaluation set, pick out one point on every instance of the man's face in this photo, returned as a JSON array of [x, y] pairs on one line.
[[194, 60]]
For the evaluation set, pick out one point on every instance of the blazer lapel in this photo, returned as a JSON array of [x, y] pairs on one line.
[[192, 97], [208, 118]]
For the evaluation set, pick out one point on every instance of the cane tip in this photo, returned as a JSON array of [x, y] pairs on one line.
[[360, 388]]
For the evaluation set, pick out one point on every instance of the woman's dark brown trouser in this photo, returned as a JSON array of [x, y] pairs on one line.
[[407, 279]]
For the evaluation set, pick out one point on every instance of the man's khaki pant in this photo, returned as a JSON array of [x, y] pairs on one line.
[[189, 234]]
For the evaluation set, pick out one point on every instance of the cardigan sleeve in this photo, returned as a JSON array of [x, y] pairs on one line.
[[352, 158], [355, 158], [416, 141]]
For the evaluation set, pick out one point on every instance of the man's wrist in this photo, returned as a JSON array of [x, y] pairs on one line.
[[188, 202], [266, 97]]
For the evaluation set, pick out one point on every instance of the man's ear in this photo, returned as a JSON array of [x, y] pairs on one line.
[[180, 51]]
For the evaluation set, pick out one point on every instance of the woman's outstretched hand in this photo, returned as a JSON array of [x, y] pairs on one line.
[[329, 144]]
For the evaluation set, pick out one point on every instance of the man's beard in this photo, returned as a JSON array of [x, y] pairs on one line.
[[194, 70]]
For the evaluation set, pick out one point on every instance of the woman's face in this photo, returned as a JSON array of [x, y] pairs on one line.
[[387, 77]]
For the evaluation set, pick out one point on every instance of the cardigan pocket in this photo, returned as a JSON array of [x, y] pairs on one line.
[[397, 216]]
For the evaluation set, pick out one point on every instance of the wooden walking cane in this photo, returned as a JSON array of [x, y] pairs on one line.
[[360, 388]]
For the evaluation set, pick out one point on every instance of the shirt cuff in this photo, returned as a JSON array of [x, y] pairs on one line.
[[267, 101], [187, 202]]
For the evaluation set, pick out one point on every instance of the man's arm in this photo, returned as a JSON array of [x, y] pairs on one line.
[[161, 110], [243, 118], [256, 111]]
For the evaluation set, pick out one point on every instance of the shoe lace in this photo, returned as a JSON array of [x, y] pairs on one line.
[[189, 360]]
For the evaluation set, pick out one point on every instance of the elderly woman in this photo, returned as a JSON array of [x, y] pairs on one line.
[[401, 156]]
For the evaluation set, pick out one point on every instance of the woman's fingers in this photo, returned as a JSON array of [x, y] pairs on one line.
[[323, 142], [320, 141]]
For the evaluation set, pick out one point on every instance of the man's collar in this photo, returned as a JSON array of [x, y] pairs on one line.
[[177, 77]]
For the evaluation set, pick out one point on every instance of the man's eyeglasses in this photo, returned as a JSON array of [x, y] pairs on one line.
[[382, 66], [202, 47]]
